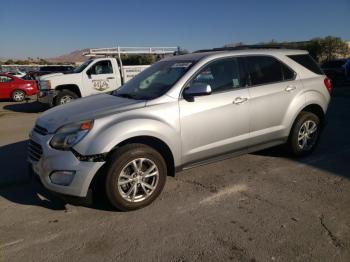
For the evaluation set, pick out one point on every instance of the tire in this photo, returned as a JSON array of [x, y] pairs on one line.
[[65, 96], [121, 169], [18, 95], [304, 136]]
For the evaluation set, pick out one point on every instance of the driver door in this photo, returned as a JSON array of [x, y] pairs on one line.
[[218, 123], [100, 78]]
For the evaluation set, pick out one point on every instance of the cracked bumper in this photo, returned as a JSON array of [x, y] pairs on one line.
[[55, 160]]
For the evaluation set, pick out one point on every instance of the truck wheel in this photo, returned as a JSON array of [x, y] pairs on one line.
[[18, 96], [136, 175], [65, 96], [304, 134]]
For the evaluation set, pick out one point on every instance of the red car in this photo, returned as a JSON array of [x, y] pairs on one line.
[[16, 88]]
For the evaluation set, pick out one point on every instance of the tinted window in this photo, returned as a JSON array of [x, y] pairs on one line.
[[288, 74], [308, 62], [220, 75], [102, 67], [263, 69]]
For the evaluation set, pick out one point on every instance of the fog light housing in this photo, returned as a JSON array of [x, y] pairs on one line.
[[62, 178]]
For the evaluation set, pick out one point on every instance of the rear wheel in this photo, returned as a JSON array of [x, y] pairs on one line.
[[135, 177], [304, 134], [18, 95], [65, 96]]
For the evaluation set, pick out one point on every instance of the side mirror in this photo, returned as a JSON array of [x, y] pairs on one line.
[[197, 89]]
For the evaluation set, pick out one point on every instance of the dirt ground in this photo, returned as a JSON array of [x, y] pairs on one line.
[[257, 207]]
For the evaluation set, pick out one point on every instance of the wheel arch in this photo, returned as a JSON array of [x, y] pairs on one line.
[[314, 108], [156, 144], [71, 87], [150, 141]]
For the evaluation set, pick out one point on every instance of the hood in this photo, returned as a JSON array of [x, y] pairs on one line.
[[91, 107], [50, 76]]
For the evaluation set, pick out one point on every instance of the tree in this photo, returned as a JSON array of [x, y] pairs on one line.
[[9, 62], [138, 59], [321, 49], [333, 47]]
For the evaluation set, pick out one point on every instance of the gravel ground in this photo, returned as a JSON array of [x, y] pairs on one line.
[[257, 207]]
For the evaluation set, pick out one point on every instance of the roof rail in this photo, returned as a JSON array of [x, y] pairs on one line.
[[117, 51], [244, 47]]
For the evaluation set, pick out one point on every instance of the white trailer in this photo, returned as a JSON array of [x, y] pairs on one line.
[[103, 72]]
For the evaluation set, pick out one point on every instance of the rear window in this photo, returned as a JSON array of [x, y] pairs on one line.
[[308, 62], [267, 69]]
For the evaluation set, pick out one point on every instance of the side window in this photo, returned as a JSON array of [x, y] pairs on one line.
[[288, 74], [263, 69], [221, 75], [5, 79], [308, 62], [102, 67]]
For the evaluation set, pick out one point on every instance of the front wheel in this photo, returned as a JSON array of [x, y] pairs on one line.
[[304, 134], [136, 175], [64, 97]]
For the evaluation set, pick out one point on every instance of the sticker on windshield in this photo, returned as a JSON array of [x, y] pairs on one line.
[[181, 65]]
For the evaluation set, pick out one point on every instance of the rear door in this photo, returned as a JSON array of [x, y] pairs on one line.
[[273, 85], [100, 77]]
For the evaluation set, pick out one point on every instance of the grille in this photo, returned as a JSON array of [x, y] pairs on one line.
[[34, 151], [40, 130]]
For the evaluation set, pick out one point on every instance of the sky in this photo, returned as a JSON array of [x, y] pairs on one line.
[[38, 28]]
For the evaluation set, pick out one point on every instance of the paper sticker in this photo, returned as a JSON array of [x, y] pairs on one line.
[[181, 65]]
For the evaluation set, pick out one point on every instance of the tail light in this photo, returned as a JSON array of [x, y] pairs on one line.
[[328, 84]]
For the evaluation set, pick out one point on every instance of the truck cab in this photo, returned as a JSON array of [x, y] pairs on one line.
[[103, 72]]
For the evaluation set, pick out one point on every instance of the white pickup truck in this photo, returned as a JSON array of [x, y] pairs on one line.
[[104, 72]]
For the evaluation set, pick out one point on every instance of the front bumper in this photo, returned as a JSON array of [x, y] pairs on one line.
[[55, 160], [46, 96]]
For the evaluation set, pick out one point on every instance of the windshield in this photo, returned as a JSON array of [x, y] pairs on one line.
[[80, 68], [155, 80]]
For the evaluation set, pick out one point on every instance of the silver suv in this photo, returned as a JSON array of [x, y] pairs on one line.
[[181, 112]]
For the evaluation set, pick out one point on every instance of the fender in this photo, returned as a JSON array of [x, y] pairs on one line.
[[311, 97], [107, 137]]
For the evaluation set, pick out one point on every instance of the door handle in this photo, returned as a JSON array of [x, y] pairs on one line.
[[110, 77], [239, 100], [290, 88]]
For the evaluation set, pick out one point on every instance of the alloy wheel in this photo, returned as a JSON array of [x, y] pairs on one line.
[[307, 135], [138, 180], [65, 99], [18, 96]]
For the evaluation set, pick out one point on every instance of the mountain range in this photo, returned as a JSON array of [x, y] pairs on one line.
[[75, 56]]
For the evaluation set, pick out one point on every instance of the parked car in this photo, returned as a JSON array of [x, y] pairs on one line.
[[45, 70], [338, 71], [180, 113], [97, 75], [17, 73], [15, 88]]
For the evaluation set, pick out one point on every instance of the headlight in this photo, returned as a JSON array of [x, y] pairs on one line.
[[69, 135], [45, 84]]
